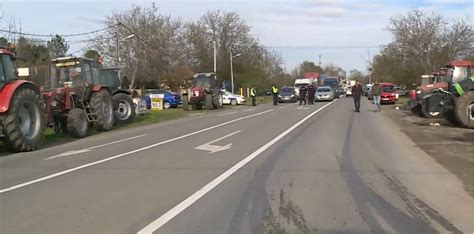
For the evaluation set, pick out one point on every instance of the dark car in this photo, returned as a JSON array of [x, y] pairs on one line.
[[170, 99], [287, 94]]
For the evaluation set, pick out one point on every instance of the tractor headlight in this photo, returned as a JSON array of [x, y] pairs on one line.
[[418, 91], [292, 95], [54, 104]]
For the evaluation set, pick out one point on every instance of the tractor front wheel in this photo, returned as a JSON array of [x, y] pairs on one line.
[[24, 123], [101, 103], [124, 111], [77, 124], [464, 110]]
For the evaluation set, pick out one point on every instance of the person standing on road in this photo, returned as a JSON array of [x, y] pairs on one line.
[[357, 94], [303, 92], [275, 95], [376, 92], [253, 95], [311, 91]]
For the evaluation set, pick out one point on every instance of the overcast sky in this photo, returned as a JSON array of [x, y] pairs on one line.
[[343, 32]]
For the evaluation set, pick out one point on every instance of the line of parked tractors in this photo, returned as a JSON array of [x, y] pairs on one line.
[[447, 93], [77, 94]]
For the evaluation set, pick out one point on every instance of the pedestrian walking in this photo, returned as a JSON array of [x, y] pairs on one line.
[[376, 92], [253, 95], [311, 91], [303, 92], [357, 94], [275, 95]]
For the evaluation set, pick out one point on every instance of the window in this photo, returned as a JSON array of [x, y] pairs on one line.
[[389, 88], [8, 73], [87, 71], [2, 74]]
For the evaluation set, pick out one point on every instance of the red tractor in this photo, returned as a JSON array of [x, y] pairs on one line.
[[206, 91], [457, 102], [22, 121], [429, 83], [75, 99]]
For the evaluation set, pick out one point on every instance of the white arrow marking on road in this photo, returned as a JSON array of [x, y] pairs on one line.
[[67, 153], [216, 148], [302, 108], [73, 152]]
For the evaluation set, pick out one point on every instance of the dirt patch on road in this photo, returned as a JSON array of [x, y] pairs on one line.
[[450, 146]]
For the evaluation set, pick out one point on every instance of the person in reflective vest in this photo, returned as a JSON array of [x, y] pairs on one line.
[[253, 94], [275, 95]]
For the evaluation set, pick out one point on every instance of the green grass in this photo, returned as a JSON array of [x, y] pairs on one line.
[[260, 100]]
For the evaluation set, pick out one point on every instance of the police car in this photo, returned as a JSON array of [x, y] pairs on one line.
[[232, 99]]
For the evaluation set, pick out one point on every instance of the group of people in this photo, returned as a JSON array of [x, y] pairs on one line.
[[357, 94], [307, 94]]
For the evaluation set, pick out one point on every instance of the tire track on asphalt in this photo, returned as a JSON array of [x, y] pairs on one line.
[[366, 199]]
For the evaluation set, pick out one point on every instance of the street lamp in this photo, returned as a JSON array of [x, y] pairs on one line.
[[232, 69], [127, 37], [118, 55]]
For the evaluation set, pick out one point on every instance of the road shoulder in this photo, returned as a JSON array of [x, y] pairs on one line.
[[450, 146]]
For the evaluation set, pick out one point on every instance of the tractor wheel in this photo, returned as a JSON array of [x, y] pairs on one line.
[[451, 117], [60, 125], [209, 104], [464, 110], [193, 106], [24, 123], [77, 124], [101, 103], [429, 114], [217, 101], [124, 111]]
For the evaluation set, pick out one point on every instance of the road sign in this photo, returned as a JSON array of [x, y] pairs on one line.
[[157, 101]]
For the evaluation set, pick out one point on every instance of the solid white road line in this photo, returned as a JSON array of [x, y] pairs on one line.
[[165, 218], [73, 152], [126, 153], [229, 113]]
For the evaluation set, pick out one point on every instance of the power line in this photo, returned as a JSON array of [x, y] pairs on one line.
[[323, 47], [51, 35]]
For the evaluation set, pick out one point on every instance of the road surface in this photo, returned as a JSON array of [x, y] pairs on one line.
[[312, 169]]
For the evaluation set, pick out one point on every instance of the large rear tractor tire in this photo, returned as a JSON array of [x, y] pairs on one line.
[[24, 123], [209, 104], [77, 124], [217, 101], [429, 114], [101, 103], [124, 109], [464, 110]]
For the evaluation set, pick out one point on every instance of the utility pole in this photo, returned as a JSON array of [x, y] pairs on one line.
[[231, 73], [319, 60], [215, 56], [117, 46]]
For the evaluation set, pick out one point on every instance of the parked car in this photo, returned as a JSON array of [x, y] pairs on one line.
[[287, 94], [232, 99], [389, 93], [324, 93], [171, 99]]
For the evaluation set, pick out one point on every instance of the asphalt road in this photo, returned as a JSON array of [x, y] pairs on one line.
[[320, 168]]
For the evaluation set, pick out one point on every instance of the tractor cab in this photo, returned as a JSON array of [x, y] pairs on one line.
[[71, 72], [7, 68]]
